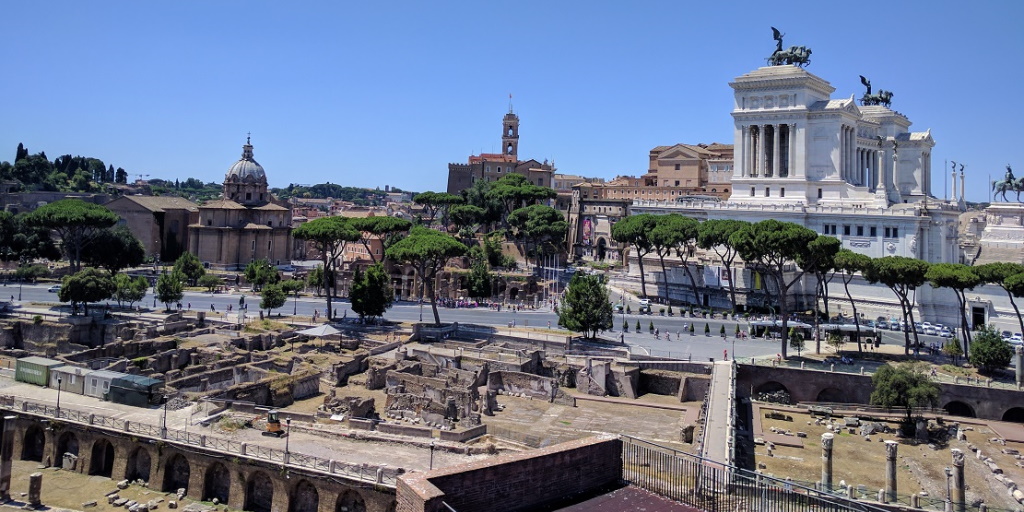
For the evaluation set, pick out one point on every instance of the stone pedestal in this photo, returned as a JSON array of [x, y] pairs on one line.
[[891, 448], [35, 490], [958, 495], [826, 461]]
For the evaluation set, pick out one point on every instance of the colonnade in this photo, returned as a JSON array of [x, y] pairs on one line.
[[768, 150]]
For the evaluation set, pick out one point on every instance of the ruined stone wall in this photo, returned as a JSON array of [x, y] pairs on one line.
[[521, 481], [694, 388], [343, 370], [660, 382], [544, 388]]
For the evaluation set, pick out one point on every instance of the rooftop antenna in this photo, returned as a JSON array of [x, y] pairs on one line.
[[509, 103]]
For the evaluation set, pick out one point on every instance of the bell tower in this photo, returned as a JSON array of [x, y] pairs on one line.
[[510, 133]]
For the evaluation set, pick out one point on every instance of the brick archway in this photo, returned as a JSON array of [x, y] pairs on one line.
[[139, 465], [217, 483], [259, 492], [66, 443], [177, 472], [34, 444], [101, 461], [958, 408], [350, 501], [1014, 414], [304, 498]]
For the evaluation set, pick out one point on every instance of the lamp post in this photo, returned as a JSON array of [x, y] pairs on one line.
[[59, 381], [163, 425], [431, 454], [287, 437], [20, 282]]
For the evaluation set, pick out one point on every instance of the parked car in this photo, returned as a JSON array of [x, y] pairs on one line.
[[1005, 335], [54, 289], [929, 329], [1017, 339], [946, 333]]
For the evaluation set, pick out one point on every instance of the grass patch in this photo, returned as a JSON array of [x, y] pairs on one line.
[[956, 370], [229, 424], [265, 325]]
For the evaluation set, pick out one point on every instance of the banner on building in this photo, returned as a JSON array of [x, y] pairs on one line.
[[712, 276]]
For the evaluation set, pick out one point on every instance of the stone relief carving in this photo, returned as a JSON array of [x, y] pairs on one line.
[[860, 243], [769, 101], [891, 247], [912, 244]]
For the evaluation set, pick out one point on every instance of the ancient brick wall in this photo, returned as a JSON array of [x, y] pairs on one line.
[[521, 481], [660, 382]]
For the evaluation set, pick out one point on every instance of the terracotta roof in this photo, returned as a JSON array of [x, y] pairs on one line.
[[162, 203], [270, 206], [223, 204]]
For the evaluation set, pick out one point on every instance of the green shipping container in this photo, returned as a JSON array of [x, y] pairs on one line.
[[35, 370], [136, 390]]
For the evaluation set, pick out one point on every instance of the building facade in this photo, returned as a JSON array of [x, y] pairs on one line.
[[492, 166], [159, 222], [246, 224]]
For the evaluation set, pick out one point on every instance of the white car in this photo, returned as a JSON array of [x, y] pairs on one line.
[[54, 289], [946, 333], [1016, 339]]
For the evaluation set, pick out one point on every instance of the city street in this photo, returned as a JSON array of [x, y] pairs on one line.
[[674, 340]]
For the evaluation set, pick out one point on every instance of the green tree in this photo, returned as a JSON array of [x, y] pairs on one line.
[[31, 273], [428, 252], [673, 232], [189, 265], [478, 195], [714, 235], [515, 191], [540, 228], [316, 279], [835, 340], [849, 263], [170, 287], [272, 296], [210, 282], [467, 219], [959, 278], [85, 286], [115, 249], [952, 349], [260, 273], [820, 260], [371, 293], [437, 203], [634, 231], [385, 230], [22, 242], [77, 223], [796, 340], [478, 281], [329, 236], [989, 352], [904, 386], [902, 275], [999, 274], [585, 307], [770, 245], [128, 290], [707, 329]]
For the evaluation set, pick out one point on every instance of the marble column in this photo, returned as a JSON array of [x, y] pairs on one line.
[[957, 493], [35, 490], [775, 150], [761, 153], [891, 448], [744, 152], [826, 461], [6, 457], [791, 137]]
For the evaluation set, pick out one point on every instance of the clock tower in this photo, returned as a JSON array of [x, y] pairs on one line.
[[510, 134]]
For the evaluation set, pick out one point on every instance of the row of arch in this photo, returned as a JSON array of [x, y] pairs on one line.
[[259, 487], [953, 407]]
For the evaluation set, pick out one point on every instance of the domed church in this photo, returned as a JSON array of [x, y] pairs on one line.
[[246, 224]]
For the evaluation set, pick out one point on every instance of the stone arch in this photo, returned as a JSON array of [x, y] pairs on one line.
[[102, 460], [66, 443], [831, 394], [1014, 414], [770, 387], [33, 444], [958, 408], [602, 249], [176, 473], [350, 501], [513, 293], [259, 492], [139, 465], [217, 483], [304, 498]]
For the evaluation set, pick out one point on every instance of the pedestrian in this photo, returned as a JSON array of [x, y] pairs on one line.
[[190, 306], [212, 309], [725, 354]]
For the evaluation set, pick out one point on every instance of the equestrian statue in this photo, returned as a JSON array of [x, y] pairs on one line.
[[798, 55], [1008, 184]]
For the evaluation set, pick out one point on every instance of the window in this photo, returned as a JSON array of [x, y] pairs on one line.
[[94, 383], [106, 384], [261, 197], [209, 222], [860, 230], [895, 232], [846, 230], [254, 246], [677, 183], [873, 231], [782, 192], [499, 169], [819, 193], [767, 191], [677, 167], [248, 196], [751, 191]]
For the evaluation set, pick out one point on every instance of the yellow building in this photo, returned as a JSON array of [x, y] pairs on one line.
[[246, 224]]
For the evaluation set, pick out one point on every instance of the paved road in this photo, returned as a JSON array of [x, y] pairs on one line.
[[672, 342]]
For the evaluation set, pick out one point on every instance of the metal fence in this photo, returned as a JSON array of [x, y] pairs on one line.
[[716, 487], [380, 475]]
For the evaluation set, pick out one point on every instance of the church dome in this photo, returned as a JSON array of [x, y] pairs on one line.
[[246, 167]]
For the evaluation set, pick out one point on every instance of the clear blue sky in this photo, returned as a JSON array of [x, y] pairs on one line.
[[378, 93]]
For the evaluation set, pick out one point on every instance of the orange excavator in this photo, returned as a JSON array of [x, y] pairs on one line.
[[274, 425]]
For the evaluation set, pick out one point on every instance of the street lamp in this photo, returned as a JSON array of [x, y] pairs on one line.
[[163, 428], [431, 454], [287, 436], [59, 380]]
